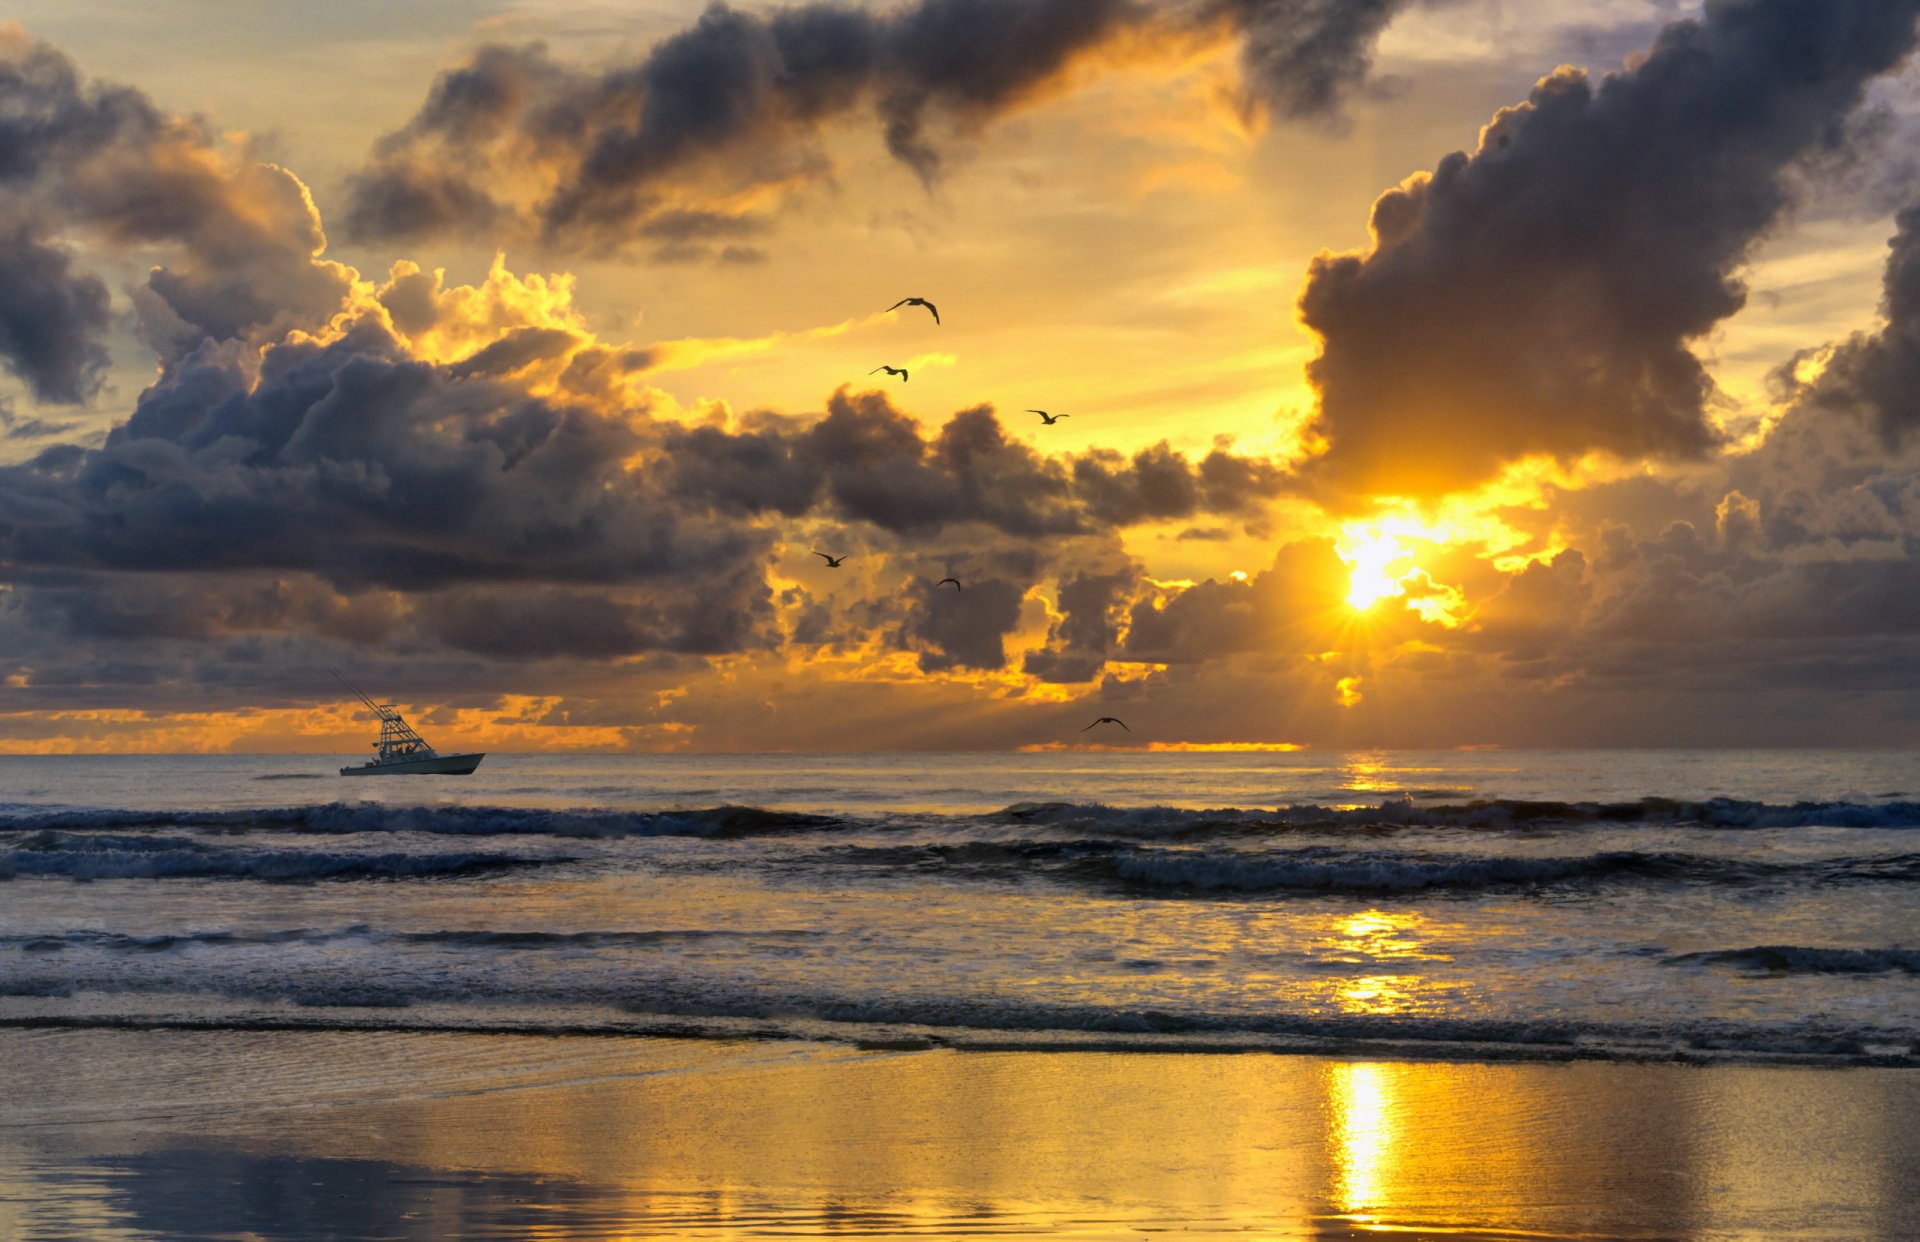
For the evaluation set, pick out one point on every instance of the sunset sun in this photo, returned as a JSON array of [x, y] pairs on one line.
[[1375, 564]]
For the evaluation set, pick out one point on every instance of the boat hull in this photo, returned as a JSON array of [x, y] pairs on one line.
[[439, 765]]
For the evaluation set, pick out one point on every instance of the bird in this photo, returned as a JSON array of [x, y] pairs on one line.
[[1108, 720], [931, 308], [900, 371], [833, 562], [1049, 419], [944, 581]]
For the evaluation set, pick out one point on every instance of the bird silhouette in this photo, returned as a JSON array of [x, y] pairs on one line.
[[900, 371], [944, 581], [1108, 720], [931, 308], [833, 562], [1049, 419]]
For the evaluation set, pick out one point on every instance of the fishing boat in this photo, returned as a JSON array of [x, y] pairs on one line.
[[402, 752]]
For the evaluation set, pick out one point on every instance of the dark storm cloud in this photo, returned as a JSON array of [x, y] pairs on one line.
[[595, 157], [1303, 56], [337, 486], [867, 461], [15, 427], [356, 462], [521, 623], [1878, 374], [51, 318], [101, 162], [1304, 587], [1092, 606], [522, 347], [1540, 295], [968, 629]]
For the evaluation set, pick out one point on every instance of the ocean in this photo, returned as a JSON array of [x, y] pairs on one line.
[[1488, 906]]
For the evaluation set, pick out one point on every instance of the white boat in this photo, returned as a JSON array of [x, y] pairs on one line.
[[402, 752]]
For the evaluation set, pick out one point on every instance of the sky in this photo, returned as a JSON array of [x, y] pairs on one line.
[[1436, 373]]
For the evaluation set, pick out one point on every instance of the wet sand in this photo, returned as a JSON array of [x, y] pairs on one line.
[[110, 1134]]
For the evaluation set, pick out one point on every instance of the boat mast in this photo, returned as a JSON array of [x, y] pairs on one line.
[[397, 738]]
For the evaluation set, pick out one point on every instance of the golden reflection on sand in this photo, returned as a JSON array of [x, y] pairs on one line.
[[129, 1135], [1361, 1135]]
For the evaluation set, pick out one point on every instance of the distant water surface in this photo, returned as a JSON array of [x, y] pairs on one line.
[[1489, 905]]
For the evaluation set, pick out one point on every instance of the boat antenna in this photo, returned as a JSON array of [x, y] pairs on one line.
[[382, 712]]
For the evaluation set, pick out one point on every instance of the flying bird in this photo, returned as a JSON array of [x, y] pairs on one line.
[[833, 562], [1108, 720], [900, 371], [931, 308], [1049, 419], [944, 581]]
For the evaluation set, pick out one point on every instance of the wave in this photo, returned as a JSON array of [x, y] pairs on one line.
[[1790, 959], [348, 1003], [125, 942], [95, 856], [1334, 871], [1179, 870], [1496, 814], [1143, 822], [1406, 873], [345, 818]]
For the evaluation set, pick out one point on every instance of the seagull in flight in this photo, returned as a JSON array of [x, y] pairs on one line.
[[1049, 419], [944, 581], [931, 308], [900, 371], [1108, 720], [833, 562]]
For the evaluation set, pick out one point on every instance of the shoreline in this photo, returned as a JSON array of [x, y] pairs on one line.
[[117, 1134], [1039, 1042]]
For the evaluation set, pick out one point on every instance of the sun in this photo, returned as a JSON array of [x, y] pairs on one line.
[[1371, 561]]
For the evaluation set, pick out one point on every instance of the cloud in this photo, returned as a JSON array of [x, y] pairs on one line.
[[1092, 609], [967, 629], [1877, 374], [686, 144], [867, 461], [476, 495], [1303, 56], [450, 472], [51, 319], [14, 427], [1541, 295], [100, 162], [1295, 605]]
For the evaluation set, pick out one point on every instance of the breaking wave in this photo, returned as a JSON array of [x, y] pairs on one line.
[[104, 856], [1145, 822], [123, 942], [342, 818], [364, 1002], [1495, 814], [1790, 959], [1331, 869]]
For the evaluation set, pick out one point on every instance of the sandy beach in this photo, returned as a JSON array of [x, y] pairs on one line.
[[108, 1134]]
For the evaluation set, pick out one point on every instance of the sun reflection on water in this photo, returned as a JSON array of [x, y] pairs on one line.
[[1376, 937], [1369, 774]]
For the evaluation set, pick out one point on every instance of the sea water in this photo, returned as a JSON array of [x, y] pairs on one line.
[[1663, 906]]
